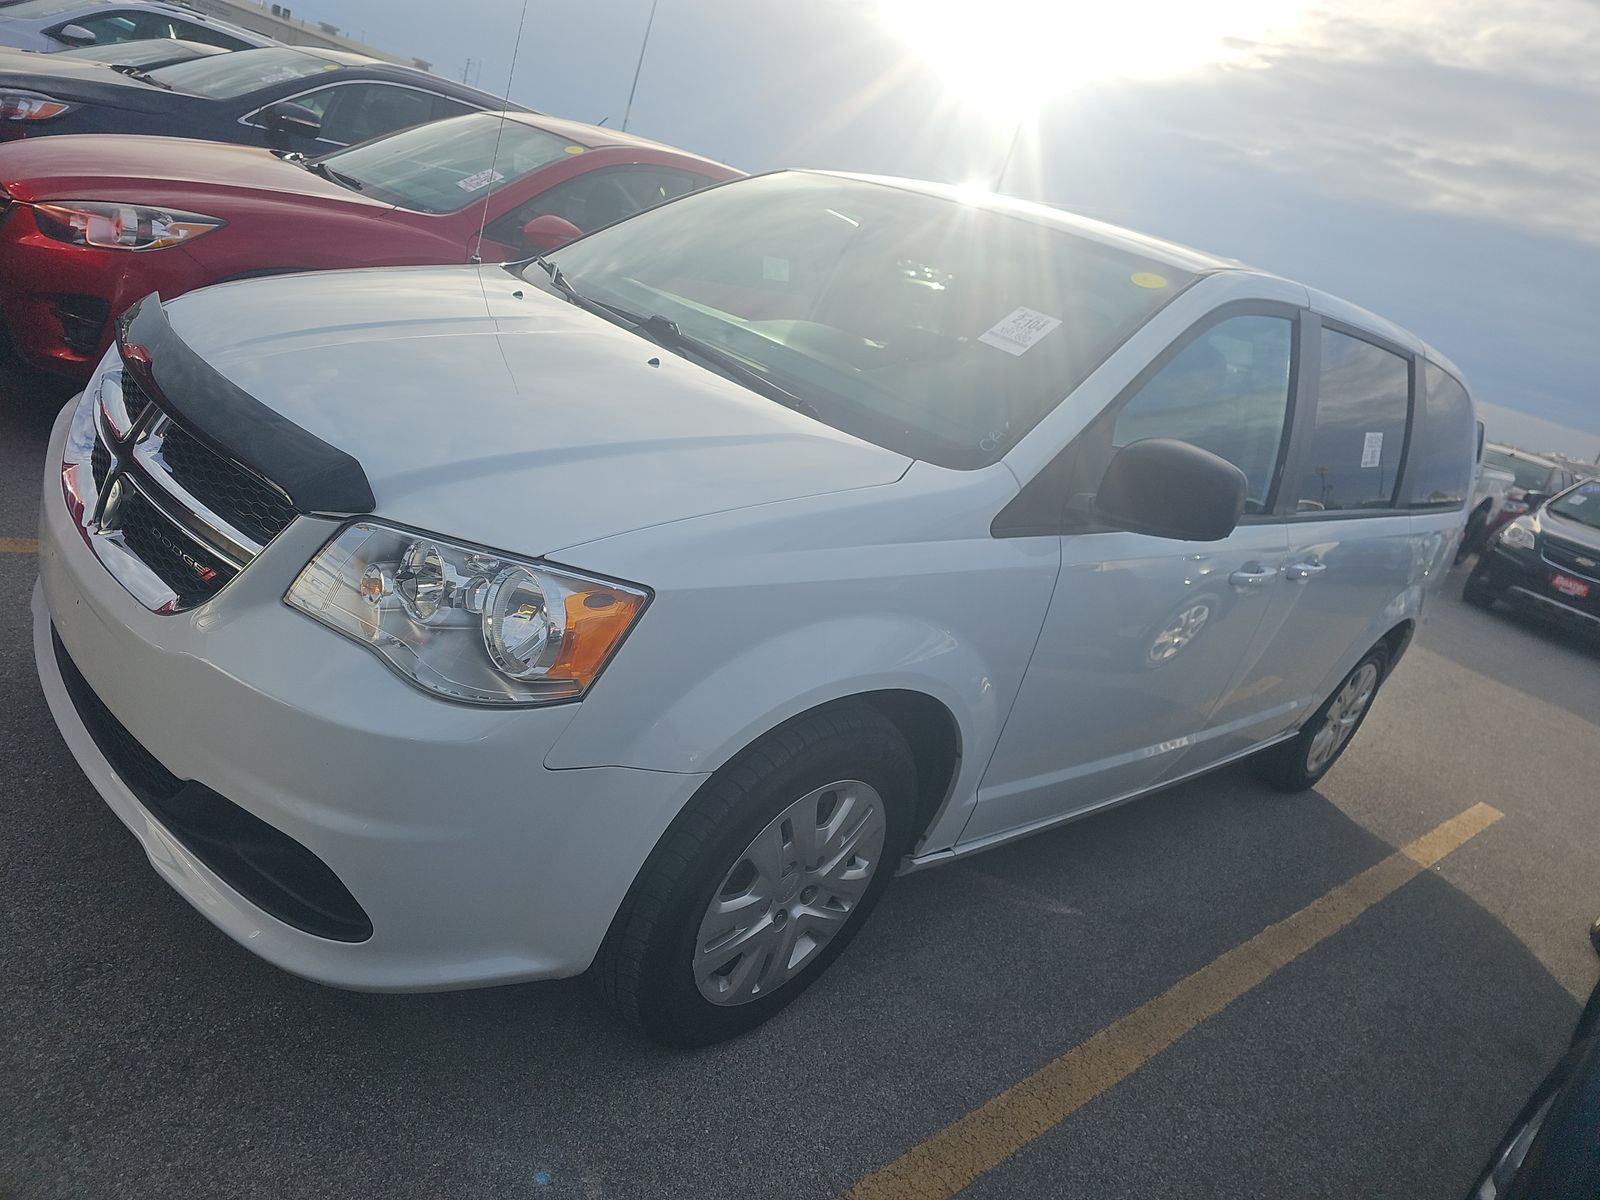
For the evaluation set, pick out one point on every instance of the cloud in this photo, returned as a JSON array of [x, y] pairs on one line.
[[1455, 107]]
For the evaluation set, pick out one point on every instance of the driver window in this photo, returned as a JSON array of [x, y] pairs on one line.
[[356, 112], [1227, 391]]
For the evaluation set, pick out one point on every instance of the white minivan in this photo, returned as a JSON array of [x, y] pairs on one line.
[[642, 610]]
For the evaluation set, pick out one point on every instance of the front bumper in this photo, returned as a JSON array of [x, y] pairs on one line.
[[59, 301], [474, 863], [1525, 579]]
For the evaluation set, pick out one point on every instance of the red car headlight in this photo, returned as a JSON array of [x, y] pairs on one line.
[[119, 226], [30, 106]]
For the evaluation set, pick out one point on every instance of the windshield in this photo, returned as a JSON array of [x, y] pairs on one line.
[[939, 329], [445, 166], [1530, 476], [1582, 503], [141, 53], [228, 75]]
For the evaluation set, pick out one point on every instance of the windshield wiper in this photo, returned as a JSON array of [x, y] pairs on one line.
[[665, 333], [318, 167], [144, 77]]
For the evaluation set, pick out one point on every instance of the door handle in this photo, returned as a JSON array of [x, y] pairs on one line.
[[1302, 571], [1252, 575]]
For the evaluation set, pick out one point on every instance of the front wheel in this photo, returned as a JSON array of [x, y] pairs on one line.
[[1298, 764], [763, 879]]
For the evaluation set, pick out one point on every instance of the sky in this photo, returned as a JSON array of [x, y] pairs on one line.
[[1436, 161]]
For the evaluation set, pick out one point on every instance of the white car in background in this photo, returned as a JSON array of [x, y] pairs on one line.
[[642, 611], [55, 25]]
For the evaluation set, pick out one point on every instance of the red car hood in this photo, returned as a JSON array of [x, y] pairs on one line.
[[155, 170]]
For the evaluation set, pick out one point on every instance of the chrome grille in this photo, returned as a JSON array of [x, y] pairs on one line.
[[171, 519], [1572, 558]]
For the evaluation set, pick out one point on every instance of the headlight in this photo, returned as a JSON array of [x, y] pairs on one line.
[[464, 622], [1519, 534], [119, 226], [30, 106]]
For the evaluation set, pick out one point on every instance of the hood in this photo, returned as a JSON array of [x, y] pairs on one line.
[[1576, 532], [93, 166], [82, 82], [484, 408]]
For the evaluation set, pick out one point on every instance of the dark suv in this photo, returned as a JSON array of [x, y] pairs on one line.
[[1548, 559]]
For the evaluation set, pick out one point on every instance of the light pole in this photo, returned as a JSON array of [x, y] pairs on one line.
[[639, 66]]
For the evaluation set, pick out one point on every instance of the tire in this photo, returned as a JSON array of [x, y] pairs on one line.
[[1472, 536], [1299, 763], [654, 969], [1477, 591]]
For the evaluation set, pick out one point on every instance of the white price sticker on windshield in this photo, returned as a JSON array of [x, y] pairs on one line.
[[1372, 450], [476, 183], [1018, 333]]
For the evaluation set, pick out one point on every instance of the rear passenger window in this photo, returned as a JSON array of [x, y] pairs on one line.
[[1227, 392], [1442, 456], [1358, 439]]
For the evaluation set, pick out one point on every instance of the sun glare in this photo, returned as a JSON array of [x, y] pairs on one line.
[[1009, 58]]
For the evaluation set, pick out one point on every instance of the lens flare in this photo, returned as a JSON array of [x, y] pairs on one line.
[[1009, 59]]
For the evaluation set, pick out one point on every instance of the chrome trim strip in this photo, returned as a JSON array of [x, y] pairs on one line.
[[238, 547], [1566, 570]]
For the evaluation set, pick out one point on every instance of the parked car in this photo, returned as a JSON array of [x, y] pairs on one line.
[[131, 56], [1534, 478], [97, 222], [284, 97], [793, 532], [1547, 559], [1551, 1151], [56, 25], [1491, 488]]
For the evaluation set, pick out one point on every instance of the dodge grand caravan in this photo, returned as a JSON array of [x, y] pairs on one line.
[[641, 610]]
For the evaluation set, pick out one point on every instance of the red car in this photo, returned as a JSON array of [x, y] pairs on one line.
[[89, 224]]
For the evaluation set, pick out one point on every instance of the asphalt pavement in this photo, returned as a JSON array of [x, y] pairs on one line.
[[143, 1053]]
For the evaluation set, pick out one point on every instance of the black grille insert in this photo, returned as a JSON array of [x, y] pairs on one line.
[[270, 869], [193, 573], [239, 498], [134, 398], [99, 463]]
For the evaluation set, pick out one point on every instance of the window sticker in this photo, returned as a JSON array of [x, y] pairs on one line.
[[574, 149], [1019, 331], [1147, 279], [775, 269], [1577, 499], [479, 181], [1372, 450]]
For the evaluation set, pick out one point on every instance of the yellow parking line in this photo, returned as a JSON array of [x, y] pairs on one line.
[[19, 545], [958, 1154]]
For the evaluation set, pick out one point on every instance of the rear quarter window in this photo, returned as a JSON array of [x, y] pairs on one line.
[[1443, 447], [1358, 439]]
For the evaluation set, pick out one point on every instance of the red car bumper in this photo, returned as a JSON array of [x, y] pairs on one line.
[[58, 301]]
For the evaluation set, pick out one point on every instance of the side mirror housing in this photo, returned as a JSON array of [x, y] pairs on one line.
[[1534, 499], [288, 119], [74, 35], [547, 232], [1171, 489]]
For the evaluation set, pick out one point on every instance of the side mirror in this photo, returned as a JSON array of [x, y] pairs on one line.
[[1534, 499], [548, 232], [1171, 489], [74, 35], [288, 119]]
